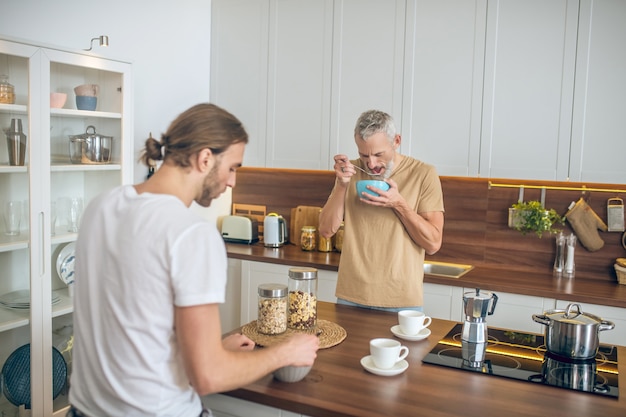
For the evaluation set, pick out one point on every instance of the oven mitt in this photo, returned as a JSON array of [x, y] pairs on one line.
[[586, 224]]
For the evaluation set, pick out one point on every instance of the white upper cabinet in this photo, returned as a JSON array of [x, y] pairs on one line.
[[239, 67], [528, 91], [445, 42], [367, 71], [299, 83], [599, 122]]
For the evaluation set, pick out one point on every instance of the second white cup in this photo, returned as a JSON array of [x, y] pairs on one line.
[[387, 352], [412, 321]]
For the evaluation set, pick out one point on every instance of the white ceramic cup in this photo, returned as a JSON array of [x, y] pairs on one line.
[[412, 321], [387, 352]]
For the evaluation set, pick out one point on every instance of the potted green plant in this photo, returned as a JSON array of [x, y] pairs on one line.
[[532, 216]]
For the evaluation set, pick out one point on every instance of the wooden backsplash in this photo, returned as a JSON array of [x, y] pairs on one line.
[[476, 219]]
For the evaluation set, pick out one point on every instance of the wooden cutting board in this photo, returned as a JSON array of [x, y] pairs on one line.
[[302, 216]]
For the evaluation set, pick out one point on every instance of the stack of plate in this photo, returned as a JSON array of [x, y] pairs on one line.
[[20, 299]]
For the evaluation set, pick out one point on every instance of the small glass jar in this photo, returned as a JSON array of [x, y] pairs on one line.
[[272, 314], [302, 310], [308, 239], [7, 92], [324, 244], [339, 238]]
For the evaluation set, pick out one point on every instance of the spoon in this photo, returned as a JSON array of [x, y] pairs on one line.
[[383, 175], [367, 172]]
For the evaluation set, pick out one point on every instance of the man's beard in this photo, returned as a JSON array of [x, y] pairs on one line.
[[210, 188]]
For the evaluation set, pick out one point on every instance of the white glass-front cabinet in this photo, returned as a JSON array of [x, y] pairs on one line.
[[45, 185]]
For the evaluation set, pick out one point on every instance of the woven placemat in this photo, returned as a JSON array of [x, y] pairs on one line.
[[330, 334]]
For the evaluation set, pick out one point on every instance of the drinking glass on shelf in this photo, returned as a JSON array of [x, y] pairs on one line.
[[75, 213], [53, 218], [12, 217]]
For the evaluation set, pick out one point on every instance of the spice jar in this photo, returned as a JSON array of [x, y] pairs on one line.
[[7, 92], [302, 310], [308, 238], [339, 238], [272, 314]]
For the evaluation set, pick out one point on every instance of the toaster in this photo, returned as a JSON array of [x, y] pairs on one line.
[[240, 229]]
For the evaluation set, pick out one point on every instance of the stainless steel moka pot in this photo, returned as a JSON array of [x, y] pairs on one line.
[[477, 306]]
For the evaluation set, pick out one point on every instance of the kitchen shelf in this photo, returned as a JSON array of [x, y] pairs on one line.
[[13, 108], [85, 114], [84, 167], [13, 319], [11, 243], [10, 169]]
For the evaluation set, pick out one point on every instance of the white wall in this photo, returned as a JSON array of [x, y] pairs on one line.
[[168, 43]]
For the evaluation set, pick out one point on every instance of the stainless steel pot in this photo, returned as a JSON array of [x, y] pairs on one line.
[[570, 333], [90, 147]]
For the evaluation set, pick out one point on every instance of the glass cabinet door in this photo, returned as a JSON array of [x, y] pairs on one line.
[[18, 72]]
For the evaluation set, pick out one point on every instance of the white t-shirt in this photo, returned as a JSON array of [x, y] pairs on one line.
[[138, 256]]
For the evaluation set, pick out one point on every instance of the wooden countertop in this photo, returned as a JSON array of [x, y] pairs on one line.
[[489, 278], [338, 386]]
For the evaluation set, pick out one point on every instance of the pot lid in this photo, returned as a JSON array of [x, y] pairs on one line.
[[90, 132], [573, 315]]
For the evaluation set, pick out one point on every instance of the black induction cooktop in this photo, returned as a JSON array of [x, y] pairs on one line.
[[523, 356]]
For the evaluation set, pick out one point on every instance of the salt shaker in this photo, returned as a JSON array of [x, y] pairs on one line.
[[569, 261]]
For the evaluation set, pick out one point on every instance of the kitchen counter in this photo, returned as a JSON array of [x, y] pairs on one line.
[[338, 386], [491, 278]]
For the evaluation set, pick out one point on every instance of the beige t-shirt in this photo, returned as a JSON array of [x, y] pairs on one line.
[[380, 265]]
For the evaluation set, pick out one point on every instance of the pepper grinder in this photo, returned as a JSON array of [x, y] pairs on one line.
[[569, 262], [559, 259]]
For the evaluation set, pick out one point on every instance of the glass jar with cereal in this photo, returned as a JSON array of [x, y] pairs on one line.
[[302, 310], [272, 315]]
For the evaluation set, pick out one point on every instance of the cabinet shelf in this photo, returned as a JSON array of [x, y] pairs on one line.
[[13, 319], [61, 167], [11, 243], [11, 169], [13, 108], [85, 114]]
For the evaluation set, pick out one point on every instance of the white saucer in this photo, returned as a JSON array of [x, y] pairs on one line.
[[368, 363], [423, 334]]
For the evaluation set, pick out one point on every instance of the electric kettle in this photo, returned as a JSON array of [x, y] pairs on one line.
[[274, 231]]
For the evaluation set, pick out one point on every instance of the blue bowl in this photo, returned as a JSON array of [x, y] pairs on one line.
[[86, 102], [361, 187]]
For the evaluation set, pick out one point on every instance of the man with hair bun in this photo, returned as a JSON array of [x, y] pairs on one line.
[[150, 275]]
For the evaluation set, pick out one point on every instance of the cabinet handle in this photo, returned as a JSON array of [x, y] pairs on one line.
[[42, 261]]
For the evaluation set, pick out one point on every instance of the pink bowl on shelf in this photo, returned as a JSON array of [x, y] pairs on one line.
[[57, 100]]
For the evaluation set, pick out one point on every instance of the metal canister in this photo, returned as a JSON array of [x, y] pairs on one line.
[[308, 239], [272, 313], [302, 310]]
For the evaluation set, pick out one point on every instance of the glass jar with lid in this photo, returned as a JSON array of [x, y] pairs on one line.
[[308, 238], [7, 92], [339, 238], [302, 310], [272, 313]]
